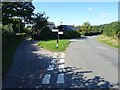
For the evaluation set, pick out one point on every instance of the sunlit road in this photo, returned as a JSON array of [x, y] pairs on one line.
[[85, 64], [89, 54]]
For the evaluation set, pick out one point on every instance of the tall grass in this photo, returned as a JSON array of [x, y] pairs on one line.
[[110, 41]]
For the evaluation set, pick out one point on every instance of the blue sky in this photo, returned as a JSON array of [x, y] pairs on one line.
[[77, 13]]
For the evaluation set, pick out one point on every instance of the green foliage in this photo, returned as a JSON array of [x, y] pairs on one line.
[[11, 10], [111, 30], [18, 24], [47, 34], [118, 34], [15, 25], [94, 29], [15, 13], [85, 28], [28, 30], [9, 44], [6, 29], [70, 34], [22, 10], [40, 22]]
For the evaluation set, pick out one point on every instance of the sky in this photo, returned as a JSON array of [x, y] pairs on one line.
[[76, 13]]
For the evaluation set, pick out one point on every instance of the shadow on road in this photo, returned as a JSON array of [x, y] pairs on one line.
[[76, 78], [79, 79], [77, 39], [29, 67]]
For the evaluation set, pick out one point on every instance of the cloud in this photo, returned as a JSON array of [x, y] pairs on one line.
[[104, 14], [90, 9]]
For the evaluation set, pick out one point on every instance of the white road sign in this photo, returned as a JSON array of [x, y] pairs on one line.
[[54, 30], [60, 32]]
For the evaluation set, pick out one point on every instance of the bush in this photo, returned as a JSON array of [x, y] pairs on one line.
[[7, 34], [9, 43], [35, 37], [47, 34], [118, 34], [69, 34], [111, 30], [18, 24], [28, 31], [92, 33]]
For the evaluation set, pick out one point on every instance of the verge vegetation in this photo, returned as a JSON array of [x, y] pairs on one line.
[[51, 45], [113, 42], [9, 43], [110, 32], [110, 35]]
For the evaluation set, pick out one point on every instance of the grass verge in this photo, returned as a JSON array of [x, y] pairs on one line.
[[8, 48], [110, 41], [51, 45]]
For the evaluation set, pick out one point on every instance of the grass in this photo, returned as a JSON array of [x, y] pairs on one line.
[[110, 41], [7, 53], [51, 45]]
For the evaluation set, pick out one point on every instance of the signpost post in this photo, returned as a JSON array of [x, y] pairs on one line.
[[58, 32], [19, 25]]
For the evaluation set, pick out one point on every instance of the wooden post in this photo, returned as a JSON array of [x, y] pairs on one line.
[[57, 40]]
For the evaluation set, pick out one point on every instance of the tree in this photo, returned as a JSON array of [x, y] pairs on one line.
[[94, 29], [40, 22], [85, 28], [23, 10], [111, 29]]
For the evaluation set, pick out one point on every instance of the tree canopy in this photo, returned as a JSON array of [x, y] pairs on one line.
[[111, 29], [40, 22], [23, 10], [85, 28]]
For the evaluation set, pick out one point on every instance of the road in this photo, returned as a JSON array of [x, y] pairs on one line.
[[89, 54], [85, 64]]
